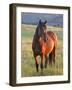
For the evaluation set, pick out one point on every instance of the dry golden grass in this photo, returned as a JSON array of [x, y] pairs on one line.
[[27, 60]]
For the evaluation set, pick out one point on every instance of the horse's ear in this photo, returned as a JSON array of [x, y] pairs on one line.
[[45, 22], [40, 21]]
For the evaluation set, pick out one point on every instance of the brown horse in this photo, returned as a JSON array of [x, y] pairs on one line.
[[44, 43]]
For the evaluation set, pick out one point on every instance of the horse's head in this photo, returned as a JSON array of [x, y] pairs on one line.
[[41, 30]]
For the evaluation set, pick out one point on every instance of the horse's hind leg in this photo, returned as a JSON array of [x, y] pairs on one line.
[[50, 58], [37, 64], [54, 55], [42, 61], [46, 61]]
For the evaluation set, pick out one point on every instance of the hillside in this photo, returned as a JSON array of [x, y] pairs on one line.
[[33, 18]]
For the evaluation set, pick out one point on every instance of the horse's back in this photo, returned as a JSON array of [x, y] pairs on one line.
[[53, 36]]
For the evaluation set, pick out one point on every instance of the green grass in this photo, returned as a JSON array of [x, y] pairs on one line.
[[27, 60]]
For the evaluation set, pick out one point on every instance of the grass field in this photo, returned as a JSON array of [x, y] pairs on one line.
[[27, 60]]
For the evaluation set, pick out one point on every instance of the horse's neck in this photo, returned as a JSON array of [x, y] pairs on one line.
[[36, 38]]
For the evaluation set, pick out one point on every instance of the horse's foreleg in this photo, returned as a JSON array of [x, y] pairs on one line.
[[37, 64]]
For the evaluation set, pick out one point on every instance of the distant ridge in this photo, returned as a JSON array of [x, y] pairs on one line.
[[33, 18]]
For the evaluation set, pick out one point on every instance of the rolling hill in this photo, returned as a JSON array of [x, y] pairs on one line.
[[33, 18]]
